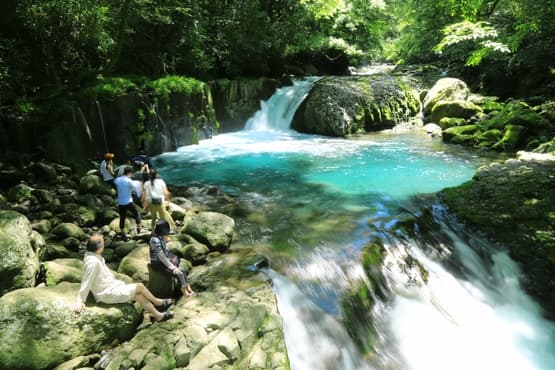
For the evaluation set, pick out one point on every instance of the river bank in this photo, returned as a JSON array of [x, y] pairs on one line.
[[232, 320]]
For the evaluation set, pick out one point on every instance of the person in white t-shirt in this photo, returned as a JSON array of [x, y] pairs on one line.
[[155, 194]]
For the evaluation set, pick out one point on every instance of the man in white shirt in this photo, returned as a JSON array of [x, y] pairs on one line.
[[125, 188], [98, 279]]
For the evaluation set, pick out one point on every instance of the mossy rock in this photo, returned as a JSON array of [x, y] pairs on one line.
[[66, 229], [20, 193], [448, 122], [514, 135], [455, 109], [63, 269], [453, 132], [446, 89]]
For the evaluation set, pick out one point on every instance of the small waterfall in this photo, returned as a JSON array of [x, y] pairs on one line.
[[476, 318], [83, 120], [277, 112], [101, 118], [315, 339]]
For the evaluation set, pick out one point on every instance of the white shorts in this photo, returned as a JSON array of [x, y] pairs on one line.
[[117, 293]]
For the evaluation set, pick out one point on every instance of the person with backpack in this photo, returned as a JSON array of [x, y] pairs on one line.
[[162, 259], [155, 193]]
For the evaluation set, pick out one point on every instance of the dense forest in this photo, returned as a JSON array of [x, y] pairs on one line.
[[56, 47]]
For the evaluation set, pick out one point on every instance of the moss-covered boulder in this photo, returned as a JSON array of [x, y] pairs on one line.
[[514, 203], [512, 138], [19, 262], [340, 106], [456, 109], [67, 229], [39, 330], [63, 269], [80, 215], [212, 229], [447, 122], [93, 184], [190, 249], [452, 133], [135, 264], [446, 89]]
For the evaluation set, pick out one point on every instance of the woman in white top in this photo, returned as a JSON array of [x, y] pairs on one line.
[[98, 279], [155, 193]]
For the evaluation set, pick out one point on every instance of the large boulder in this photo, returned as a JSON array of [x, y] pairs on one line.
[[67, 230], [38, 328], [340, 106], [211, 228], [19, 262], [448, 89]]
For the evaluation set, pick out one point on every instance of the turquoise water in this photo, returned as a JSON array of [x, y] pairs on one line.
[[310, 203]]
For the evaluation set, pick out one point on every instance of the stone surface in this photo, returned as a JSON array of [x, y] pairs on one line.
[[19, 262], [39, 330], [211, 228]]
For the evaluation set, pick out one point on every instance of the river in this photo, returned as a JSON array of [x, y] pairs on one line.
[[311, 203]]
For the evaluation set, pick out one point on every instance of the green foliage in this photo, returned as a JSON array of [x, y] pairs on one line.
[[111, 87], [175, 84], [479, 38]]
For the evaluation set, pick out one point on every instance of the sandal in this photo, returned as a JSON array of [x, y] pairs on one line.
[[166, 302], [166, 316]]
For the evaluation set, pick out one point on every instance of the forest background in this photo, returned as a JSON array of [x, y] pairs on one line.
[[52, 48]]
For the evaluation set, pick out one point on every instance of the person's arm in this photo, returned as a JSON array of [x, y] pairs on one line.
[[160, 251], [89, 275], [110, 168]]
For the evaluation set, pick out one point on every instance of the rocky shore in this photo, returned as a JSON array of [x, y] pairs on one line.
[[514, 203], [47, 213]]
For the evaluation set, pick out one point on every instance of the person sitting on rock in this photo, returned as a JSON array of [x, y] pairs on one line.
[[98, 279], [161, 258]]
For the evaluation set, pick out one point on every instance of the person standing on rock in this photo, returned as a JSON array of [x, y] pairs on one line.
[[98, 279], [125, 187], [155, 194], [162, 259], [107, 169]]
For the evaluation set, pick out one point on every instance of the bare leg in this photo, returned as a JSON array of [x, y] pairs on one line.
[[148, 306], [142, 290]]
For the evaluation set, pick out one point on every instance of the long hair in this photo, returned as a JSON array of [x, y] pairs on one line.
[[153, 174]]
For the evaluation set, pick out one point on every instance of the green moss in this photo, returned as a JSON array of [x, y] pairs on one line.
[[110, 87], [176, 84]]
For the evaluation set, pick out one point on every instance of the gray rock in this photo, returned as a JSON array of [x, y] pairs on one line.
[[135, 264]]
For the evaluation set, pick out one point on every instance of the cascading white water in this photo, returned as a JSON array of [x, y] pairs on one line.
[[482, 321], [277, 112]]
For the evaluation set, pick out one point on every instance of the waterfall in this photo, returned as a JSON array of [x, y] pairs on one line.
[[83, 120], [475, 317], [277, 112], [316, 340], [101, 118]]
